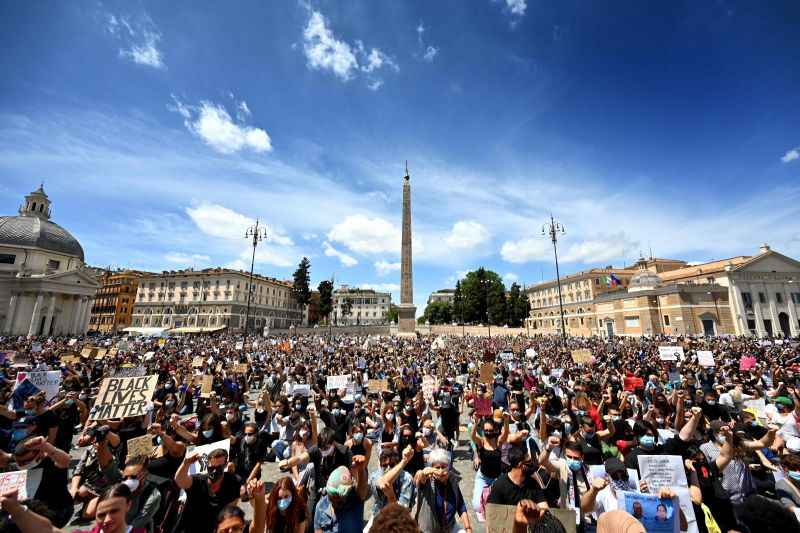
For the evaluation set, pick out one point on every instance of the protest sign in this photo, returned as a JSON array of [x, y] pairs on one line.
[[99, 353], [87, 352], [149, 355], [123, 397], [500, 518], [337, 382], [201, 466], [362, 363], [483, 406], [530, 353], [657, 515], [582, 356], [25, 482], [239, 368], [507, 356], [72, 342], [70, 359], [487, 373], [239, 345], [378, 385], [140, 446], [758, 406], [197, 361], [670, 353], [462, 379], [567, 517], [747, 362], [206, 386], [301, 389], [429, 386], [667, 471], [36, 347], [631, 383], [48, 381], [705, 358], [130, 372]]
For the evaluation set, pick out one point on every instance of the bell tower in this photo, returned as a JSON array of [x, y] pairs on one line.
[[37, 204]]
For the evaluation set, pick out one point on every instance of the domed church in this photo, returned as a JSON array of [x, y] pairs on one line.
[[45, 288]]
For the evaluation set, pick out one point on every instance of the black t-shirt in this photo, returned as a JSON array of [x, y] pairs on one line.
[[506, 492], [323, 466], [53, 486], [203, 506], [632, 459], [45, 421]]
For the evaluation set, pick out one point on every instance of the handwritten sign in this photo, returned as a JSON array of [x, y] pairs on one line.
[[487, 373], [337, 382], [201, 466], [530, 353], [26, 482], [48, 381], [239, 368], [123, 397], [206, 386], [140, 446], [130, 372], [705, 358], [662, 471], [500, 518], [483, 406], [378, 385], [670, 353], [197, 362], [747, 362], [429, 386], [301, 389], [240, 345], [70, 359], [582, 356], [88, 352]]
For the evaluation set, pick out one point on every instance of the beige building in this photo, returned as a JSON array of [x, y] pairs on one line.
[[112, 308], [214, 298], [442, 295], [745, 295], [45, 287], [360, 306]]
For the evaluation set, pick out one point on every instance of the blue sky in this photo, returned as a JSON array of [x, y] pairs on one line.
[[161, 130]]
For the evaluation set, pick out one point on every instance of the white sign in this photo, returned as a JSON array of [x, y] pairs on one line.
[[667, 471], [240, 345], [758, 406], [337, 382], [201, 466], [301, 389], [26, 482], [705, 358], [670, 353], [49, 381], [530, 353]]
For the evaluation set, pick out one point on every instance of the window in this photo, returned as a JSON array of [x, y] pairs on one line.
[[779, 297], [53, 264], [666, 320], [631, 321], [747, 299], [597, 281], [762, 298], [7, 259], [796, 297]]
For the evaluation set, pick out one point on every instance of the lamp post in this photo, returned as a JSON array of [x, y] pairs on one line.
[[258, 234], [552, 229]]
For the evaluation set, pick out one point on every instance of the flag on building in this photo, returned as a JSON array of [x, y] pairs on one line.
[[614, 281]]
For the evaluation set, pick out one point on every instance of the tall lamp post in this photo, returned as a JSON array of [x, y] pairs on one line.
[[553, 229], [257, 234]]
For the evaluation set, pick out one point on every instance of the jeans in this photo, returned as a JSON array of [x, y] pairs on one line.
[[280, 447], [480, 483]]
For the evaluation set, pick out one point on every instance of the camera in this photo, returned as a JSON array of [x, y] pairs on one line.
[[99, 433]]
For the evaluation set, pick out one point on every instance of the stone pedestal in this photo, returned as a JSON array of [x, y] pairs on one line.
[[407, 318]]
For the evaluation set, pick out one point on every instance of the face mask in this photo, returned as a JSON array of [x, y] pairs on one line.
[[336, 412], [589, 435], [711, 402], [427, 432], [574, 464], [303, 434], [249, 439], [19, 434], [327, 452], [83, 397], [170, 404], [408, 409], [358, 437], [389, 416], [721, 439], [132, 484], [169, 386], [581, 412], [794, 475], [648, 441], [616, 418], [284, 503], [230, 417], [207, 433], [659, 421], [215, 472]]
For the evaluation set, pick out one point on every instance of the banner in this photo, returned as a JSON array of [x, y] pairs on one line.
[[122, 397], [705, 358], [337, 382], [49, 382], [582, 356], [201, 466], [657, 515], [25, 482], [670, 353]]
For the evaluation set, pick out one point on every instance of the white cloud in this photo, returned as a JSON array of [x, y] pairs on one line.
[[384, 267], [182, 258], [467, 234], [599, 249], [791, 155], [430, 53], [517, 7], [219, 221], [140, 39], [324, 51], [510, 277], [526, 250], [344, 259], [366, 235], [457, 276], [380, 287], [214, 125], [244, 109]]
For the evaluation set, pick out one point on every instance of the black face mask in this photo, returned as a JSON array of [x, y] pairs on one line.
[[529, 469], [406, 440], [215, 472]]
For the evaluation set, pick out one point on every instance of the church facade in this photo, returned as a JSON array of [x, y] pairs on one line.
[[45, 287]]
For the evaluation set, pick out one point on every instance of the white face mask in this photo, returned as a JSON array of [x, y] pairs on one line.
[[132, 484], [390, 416], [250, 439], [327, 452], [230, 417], [207, 433]]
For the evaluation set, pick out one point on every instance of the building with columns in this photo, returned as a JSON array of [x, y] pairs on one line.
[[45, 287]]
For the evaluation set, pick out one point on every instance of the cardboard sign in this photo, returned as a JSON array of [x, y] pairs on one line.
[[49, 381], [197, 361], [483, 406], [582, 356], [706, 358], [201, 466], [70, 359], [130, 372], [500, 518], [378, 385], [758, 406], [99, 353], [25, 482], [567, 517], [121, 397], [747, 362], [206, 386], [140, 446], [87, 352], [72, 342], [239, 345], [487, 373], [239, 368], [337, 382], [670, 353]]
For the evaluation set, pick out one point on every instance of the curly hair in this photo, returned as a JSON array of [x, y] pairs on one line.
[[395, 518]]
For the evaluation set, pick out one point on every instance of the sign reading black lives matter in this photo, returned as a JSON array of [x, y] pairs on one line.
[[121, 397]]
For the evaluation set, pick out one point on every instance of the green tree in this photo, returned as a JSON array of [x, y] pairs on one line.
[[302, 278], [518, 306], [497, 308], [438, 313], [325, 289], [458, 303], [483, 290], [393, 314]]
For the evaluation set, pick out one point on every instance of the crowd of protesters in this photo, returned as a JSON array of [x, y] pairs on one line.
[[376, 452]]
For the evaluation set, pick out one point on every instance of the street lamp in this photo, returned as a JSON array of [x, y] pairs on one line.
[[552, 229], [258, 234]]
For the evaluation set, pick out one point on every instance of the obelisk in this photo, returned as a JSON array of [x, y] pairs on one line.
[[407, 313]]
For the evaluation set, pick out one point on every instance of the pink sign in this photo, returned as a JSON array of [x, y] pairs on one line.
[[483, 406], [747, 362]]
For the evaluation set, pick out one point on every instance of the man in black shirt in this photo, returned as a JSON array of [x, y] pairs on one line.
[[206, 494], [518, 487]]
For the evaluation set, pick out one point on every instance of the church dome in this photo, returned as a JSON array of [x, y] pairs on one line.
[[32, 228], [644, 280]]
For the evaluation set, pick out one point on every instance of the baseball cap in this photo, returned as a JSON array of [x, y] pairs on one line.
[[339, 482], [613, 464]]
